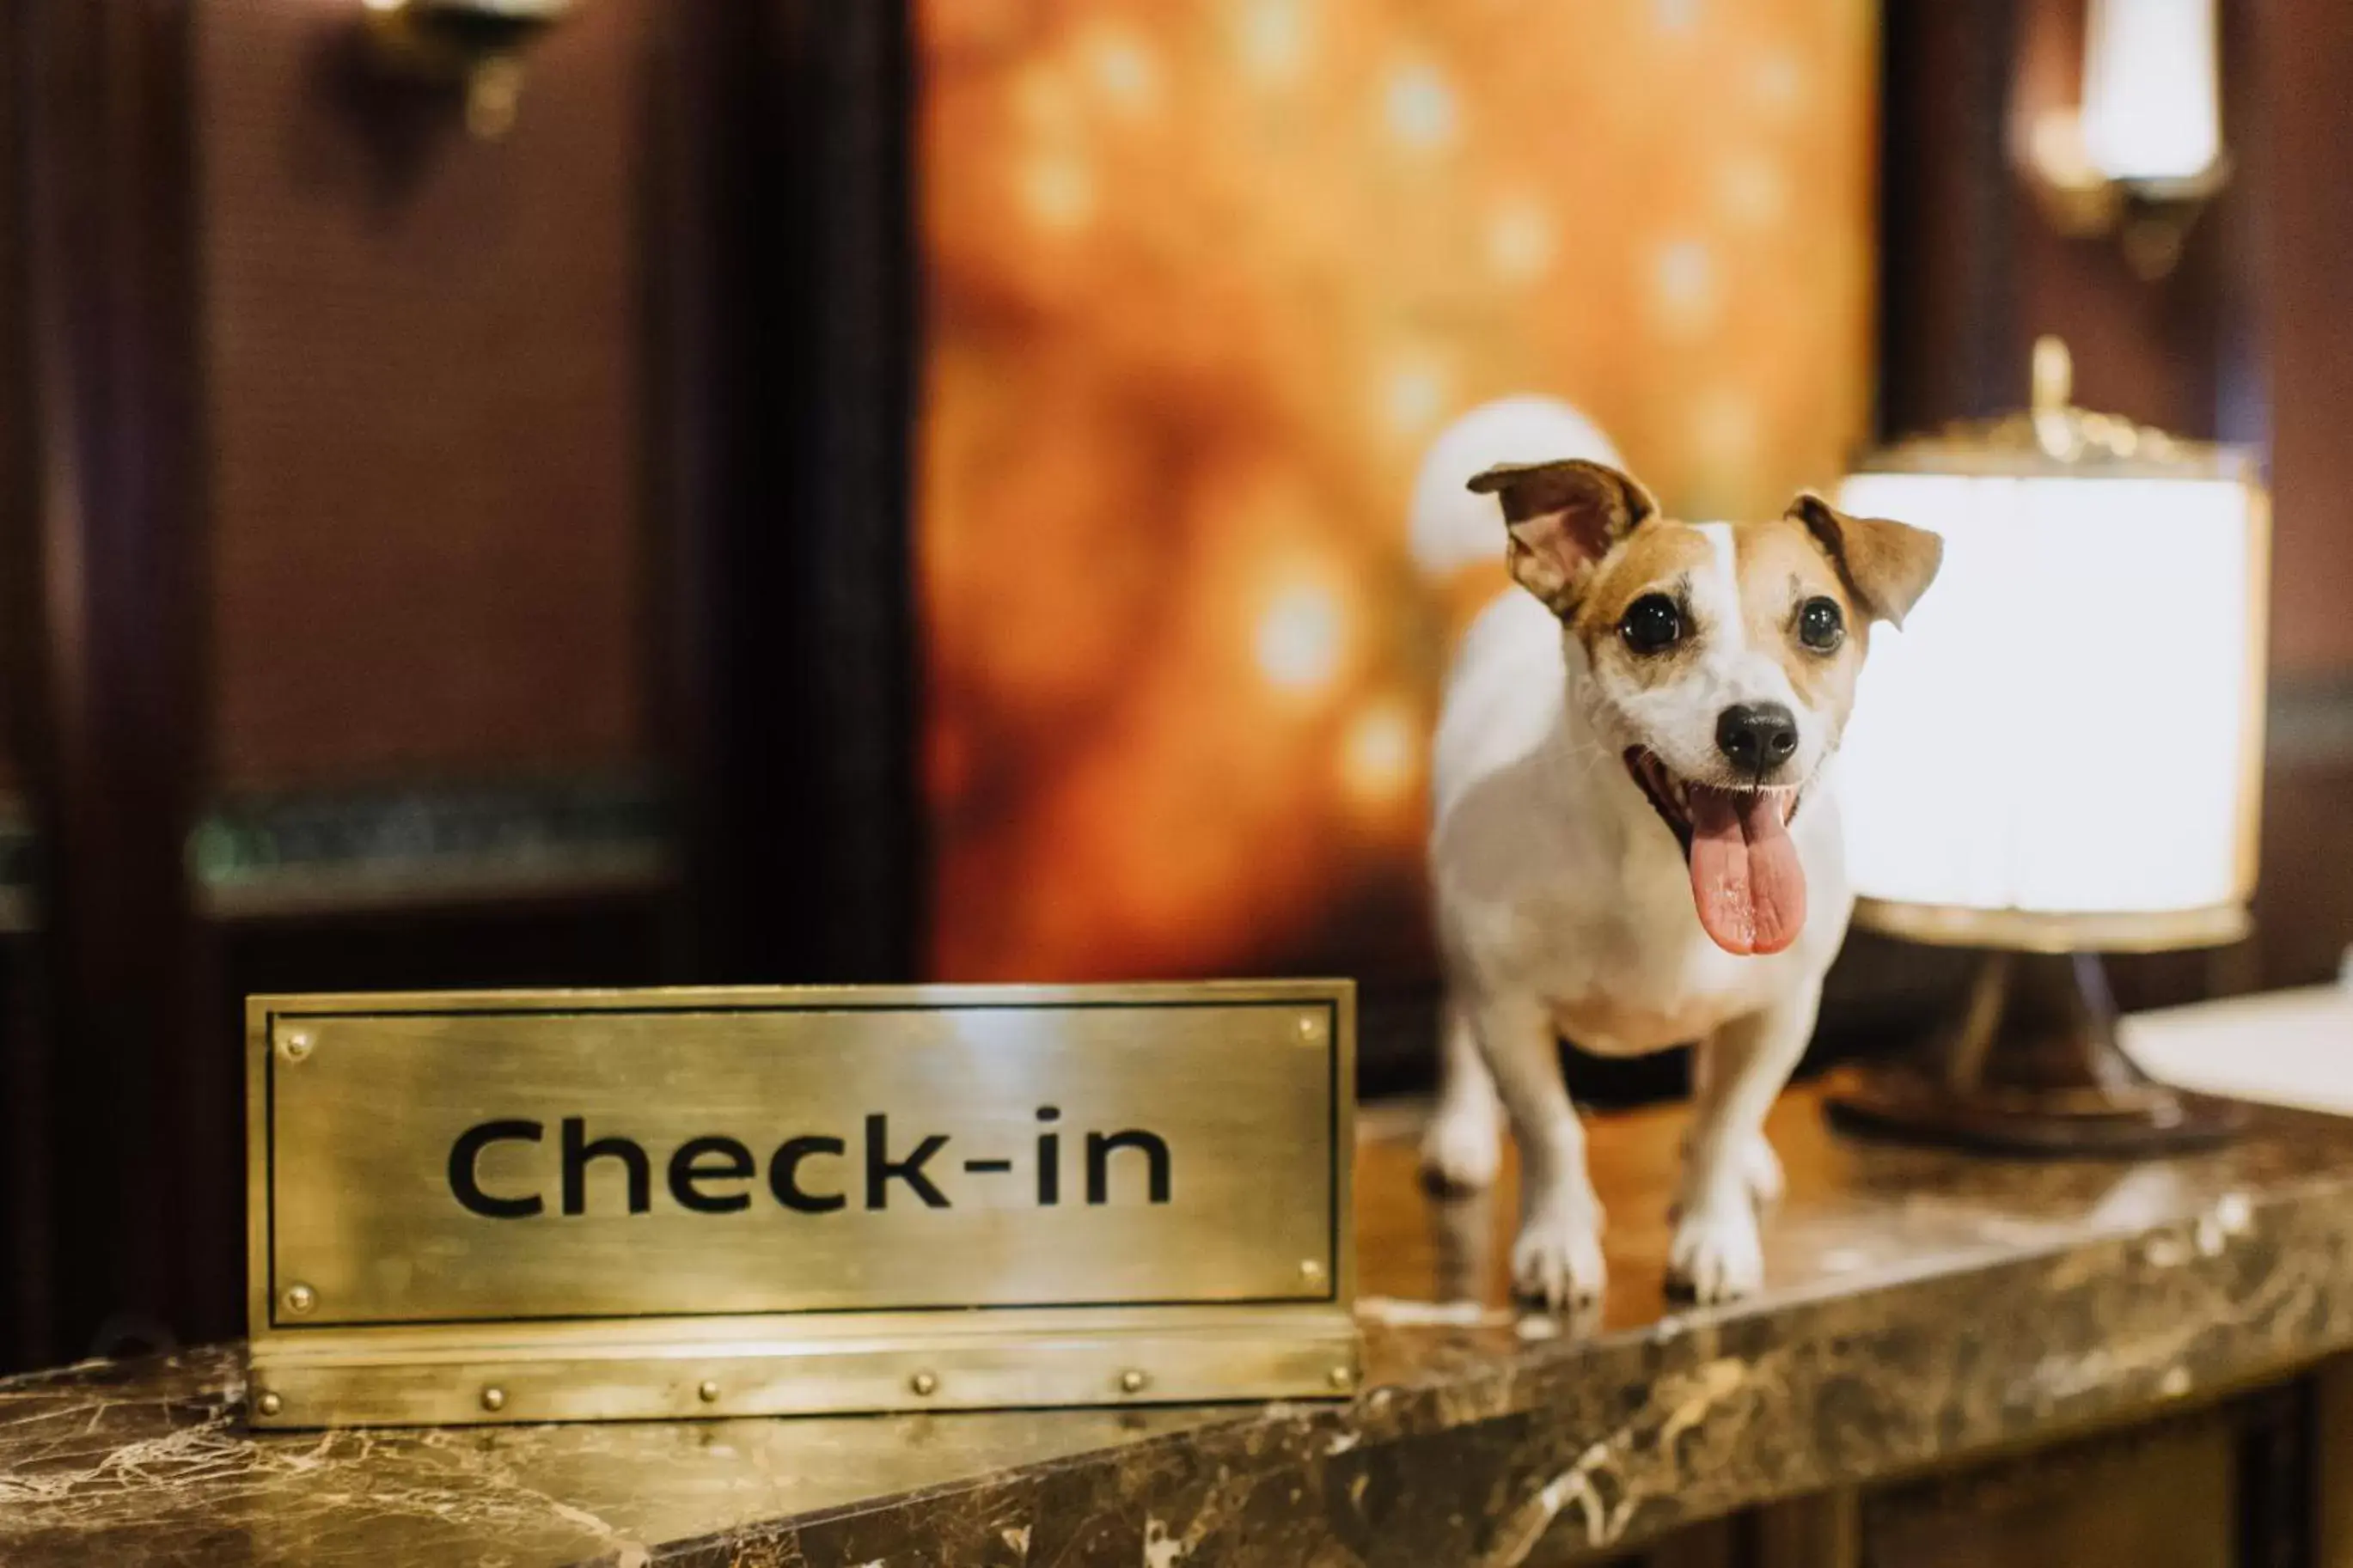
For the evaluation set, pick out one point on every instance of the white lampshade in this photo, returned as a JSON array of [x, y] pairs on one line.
[[2069, 725], [2152, 86]]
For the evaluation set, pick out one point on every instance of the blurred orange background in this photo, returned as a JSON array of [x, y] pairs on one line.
[[1203, 278]]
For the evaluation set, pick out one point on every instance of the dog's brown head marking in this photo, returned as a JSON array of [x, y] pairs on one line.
[[1886, 564]]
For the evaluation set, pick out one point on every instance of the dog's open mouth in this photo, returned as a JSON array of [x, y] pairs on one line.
[[1747, 879]]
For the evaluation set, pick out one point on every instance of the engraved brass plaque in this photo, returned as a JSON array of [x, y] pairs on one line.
[[706, 1202]]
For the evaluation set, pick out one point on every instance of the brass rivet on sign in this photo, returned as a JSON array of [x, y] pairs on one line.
[[923, 1384], [1132, 1381], [297, 1043], [708, 1393], [494, 1398], [1311, 1028], [1342, 1377], [300, 1299], [270, 1404]]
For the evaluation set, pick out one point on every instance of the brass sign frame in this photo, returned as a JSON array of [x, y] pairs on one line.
[[371, 1301]]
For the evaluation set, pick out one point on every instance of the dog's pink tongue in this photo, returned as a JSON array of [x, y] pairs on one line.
[[1746, 877]]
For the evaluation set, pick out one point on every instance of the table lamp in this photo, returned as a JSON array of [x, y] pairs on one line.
[[2058, 756]]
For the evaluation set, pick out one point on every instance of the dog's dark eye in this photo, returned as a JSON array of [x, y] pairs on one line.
[[1821, 626], [1651, 624]]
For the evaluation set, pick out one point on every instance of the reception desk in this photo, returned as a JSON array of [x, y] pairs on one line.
[[1958, 1360]]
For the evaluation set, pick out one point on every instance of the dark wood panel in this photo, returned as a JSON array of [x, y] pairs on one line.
[[2156, 1497], [426, 361], [2303, 903], [805, 842], [599, 941], [133, 1229], [24, 1154], [2305, 58], [2331, 1492], [1949, 341]]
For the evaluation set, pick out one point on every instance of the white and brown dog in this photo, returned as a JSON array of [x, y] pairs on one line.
[[1636, 844]]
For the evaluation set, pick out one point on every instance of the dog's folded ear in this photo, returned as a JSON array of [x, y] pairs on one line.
[[1887, 565], [1563, 518]]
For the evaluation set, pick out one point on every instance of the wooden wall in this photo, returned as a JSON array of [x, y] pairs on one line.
[[111, 1119], [424, 360], [2303, 230], [424, 561]]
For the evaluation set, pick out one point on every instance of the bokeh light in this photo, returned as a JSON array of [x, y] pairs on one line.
[[1299, 635], [1380, 754]]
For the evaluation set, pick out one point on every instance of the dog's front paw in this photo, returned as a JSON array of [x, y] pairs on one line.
[[1716, 1255], [1461, 1148], [1761, 1171], [1759, 1168], [1557, 1258]]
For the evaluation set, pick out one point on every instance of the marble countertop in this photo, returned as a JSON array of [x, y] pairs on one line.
[[1922, 1305]]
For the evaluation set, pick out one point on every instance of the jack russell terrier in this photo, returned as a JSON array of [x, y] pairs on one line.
[[1635, 843]]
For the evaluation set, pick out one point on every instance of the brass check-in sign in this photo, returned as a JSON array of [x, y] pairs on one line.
[[556, 1206]]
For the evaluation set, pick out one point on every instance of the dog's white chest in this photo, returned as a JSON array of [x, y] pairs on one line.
[[1624, 968], [1627, 1008]]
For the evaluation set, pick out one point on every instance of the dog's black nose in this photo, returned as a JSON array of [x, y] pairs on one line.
[[1757, 737]]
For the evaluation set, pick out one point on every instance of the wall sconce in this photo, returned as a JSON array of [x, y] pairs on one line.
[[474, 45], [2138, 152]]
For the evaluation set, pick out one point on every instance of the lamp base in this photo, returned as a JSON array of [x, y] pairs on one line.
[[2032, 1066]]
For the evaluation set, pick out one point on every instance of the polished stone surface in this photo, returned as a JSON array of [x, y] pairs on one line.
[[1922, 1307]]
